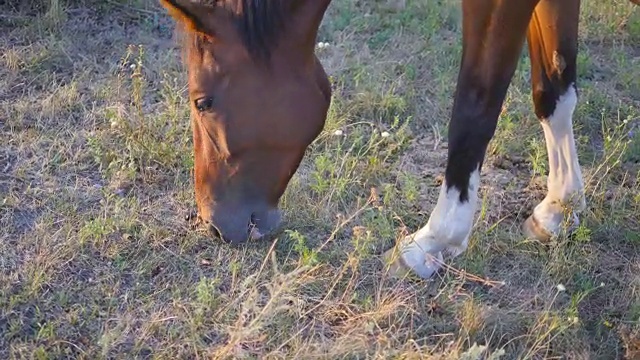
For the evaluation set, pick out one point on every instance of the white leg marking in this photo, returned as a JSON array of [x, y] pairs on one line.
[[565, 185], [448, 229]]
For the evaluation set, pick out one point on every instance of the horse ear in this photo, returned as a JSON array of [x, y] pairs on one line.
[[195, 16]]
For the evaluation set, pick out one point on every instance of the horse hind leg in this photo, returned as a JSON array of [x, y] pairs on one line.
[[552, 39]]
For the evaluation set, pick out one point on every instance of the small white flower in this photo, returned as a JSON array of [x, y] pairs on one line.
[[114, 124], [385, 134], [561, 287], [601, 284], [132, 66], [322, 45], [338, 132]]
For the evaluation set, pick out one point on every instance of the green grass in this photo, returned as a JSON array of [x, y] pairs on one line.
[[97, 261]]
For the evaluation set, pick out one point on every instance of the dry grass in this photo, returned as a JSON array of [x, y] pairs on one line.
[[96, 260]]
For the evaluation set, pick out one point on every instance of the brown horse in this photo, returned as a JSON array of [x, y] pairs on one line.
[[259, 97]]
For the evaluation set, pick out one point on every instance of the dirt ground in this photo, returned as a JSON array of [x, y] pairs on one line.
[[97, 260]]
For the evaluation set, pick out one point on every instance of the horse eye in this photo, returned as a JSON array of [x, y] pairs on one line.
[[204, 104]]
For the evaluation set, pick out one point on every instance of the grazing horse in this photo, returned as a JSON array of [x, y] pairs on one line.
[[259, 97]]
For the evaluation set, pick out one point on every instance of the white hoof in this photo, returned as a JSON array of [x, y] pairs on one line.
[[407, 258]]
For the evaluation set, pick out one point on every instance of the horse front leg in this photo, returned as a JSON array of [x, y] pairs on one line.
[[493, 36]]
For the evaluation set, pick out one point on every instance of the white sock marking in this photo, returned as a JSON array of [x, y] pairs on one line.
[[448, 229], [564, 184]]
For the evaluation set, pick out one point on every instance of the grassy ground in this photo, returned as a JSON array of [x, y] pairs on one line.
[[97, 261]]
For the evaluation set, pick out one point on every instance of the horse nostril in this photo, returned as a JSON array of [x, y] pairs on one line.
[[253, 223], [252, 229]]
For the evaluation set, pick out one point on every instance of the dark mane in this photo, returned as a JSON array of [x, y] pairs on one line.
[[259, 23]]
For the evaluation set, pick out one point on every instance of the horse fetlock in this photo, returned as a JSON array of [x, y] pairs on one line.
[[456, 250]]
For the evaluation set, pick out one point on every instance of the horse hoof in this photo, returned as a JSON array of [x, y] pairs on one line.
[[424, 268], [532, 229], [396, 266]]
